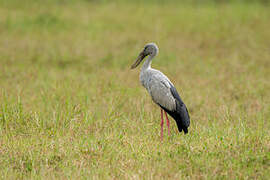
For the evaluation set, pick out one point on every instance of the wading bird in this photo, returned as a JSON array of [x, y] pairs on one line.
[[162, 91]]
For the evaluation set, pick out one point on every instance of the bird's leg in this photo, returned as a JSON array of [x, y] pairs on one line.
[[161, 124], [168, 123]]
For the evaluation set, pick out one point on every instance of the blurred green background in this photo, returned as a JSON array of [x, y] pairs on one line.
[[70, 107]]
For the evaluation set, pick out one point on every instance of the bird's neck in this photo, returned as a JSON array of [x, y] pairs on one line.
[[147, 63]]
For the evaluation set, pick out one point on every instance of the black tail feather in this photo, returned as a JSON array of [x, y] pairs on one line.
[[180, 114], [179, 118], [185, 130]]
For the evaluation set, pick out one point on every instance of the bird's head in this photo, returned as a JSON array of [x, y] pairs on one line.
[[149, 49]]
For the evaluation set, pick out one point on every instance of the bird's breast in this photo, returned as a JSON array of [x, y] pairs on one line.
[[158, 87], [145, 78]]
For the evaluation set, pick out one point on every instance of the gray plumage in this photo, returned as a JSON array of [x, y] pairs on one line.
[[158, 86], [162, 89]]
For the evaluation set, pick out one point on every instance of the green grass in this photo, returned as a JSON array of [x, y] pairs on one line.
[[70, 107]]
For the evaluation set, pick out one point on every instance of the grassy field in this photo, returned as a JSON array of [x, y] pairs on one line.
[[70, 107]]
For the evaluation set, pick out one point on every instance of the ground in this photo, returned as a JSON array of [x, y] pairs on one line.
[[70, 107]]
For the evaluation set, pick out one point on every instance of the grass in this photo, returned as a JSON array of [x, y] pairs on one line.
[[70, 107]]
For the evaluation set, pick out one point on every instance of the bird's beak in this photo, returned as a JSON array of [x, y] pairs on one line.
[[139, 60]]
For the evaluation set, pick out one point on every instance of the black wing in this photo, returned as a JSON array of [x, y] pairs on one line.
[[180, 114]]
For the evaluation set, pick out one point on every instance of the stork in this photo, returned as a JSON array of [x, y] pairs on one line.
[[162, 91]]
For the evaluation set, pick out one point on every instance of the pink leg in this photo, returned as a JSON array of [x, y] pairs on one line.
[[168, 123], [161, 124]]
